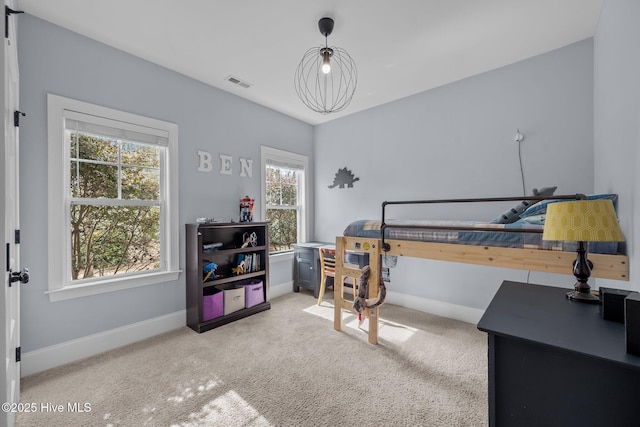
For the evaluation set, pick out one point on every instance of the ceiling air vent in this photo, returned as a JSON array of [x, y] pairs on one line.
[[238, 82]]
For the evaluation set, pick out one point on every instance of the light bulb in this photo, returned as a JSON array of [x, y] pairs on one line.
[[326, 66]]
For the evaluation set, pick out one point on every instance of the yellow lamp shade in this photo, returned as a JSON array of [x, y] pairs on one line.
[[582, 221]]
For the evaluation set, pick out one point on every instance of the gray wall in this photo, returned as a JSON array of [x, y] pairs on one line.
[[457, 141], [617, 120], [54, 60], [453, 141]]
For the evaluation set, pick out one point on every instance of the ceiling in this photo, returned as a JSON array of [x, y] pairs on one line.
[[401, 47]]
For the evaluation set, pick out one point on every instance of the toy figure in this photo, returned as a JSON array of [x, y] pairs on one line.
[[209, 270], [361, 303], [246, 209], [249, 239], [237, 271]]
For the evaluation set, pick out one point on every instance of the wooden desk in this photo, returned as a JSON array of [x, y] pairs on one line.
[[555, 362], [306, 265]]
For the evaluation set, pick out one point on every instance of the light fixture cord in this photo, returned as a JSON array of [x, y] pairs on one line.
[[524, 192]]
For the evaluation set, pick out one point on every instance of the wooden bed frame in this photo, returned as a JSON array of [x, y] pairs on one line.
[[605, 266]]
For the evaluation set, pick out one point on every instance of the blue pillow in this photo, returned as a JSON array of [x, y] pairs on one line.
[[540, 208], [512, 215]]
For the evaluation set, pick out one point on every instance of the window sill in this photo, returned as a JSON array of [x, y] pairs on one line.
[[79, 291]]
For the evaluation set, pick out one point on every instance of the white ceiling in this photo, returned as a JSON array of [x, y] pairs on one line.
[[401, 47]]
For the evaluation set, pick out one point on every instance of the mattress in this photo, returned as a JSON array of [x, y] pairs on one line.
[[497, 238]]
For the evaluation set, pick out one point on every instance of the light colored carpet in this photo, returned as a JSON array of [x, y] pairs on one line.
[[283, 367]]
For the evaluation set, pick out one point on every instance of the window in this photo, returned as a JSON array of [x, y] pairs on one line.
[[113, 221], [284, 198]]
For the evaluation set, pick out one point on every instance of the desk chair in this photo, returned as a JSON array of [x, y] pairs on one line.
[[328, 269]]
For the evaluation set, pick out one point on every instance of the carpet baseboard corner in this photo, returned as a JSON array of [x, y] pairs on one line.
[[49, 357], [60, 354], [439, 308], [280, 289]]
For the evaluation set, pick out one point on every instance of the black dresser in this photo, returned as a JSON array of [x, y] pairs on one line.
[[555, 362]]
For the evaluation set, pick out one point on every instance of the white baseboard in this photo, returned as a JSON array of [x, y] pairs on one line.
[[280, 289], [70, 351], [439, 308]]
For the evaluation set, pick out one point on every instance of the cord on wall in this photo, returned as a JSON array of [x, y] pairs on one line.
[[519, 138]]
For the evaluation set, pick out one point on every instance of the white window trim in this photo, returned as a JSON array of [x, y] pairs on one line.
[[59, 288], [268, 153]]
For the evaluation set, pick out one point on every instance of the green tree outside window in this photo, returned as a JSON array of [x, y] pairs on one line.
[[109, 237], [282, 207]]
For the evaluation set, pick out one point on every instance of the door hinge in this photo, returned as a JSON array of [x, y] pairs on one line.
[[18, 354], [16, 117], [7, 12], [17, 237], [8, 258]]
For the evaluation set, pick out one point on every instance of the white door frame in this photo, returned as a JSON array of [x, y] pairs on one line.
[[9, 218]]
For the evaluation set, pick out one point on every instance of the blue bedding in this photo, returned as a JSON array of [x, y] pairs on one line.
[[498, 238]]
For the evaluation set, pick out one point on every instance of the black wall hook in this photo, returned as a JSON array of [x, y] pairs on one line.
[[16, 117], [7, 12]]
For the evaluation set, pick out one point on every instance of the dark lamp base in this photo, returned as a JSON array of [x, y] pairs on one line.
[[582, 270], [587, 297]]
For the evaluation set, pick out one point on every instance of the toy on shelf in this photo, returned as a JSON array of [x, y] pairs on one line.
[[237, 271], [246, 209], [210, 247], [209, 270], [206, 220], [249, 239]]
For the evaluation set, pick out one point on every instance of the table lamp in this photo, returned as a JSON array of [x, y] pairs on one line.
[[582, 221]]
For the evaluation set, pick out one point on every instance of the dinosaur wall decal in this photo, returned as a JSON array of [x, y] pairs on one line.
[[344, 177]]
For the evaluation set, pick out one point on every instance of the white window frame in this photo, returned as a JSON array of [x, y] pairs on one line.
[[59, 244], [287, 157]]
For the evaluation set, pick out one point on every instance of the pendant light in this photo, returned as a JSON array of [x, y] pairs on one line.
[[326, 78]]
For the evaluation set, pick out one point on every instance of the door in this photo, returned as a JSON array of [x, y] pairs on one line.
[[9, 211]]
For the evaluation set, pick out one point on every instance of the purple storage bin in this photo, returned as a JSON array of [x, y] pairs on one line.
[[212, 305], [253, 293]]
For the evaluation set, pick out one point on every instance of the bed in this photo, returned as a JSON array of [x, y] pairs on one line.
[[515, 242]]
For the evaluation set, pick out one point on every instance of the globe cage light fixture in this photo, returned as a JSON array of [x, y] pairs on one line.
[[326, 78]]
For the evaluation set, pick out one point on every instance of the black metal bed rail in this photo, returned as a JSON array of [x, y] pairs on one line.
[[383, 226]]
